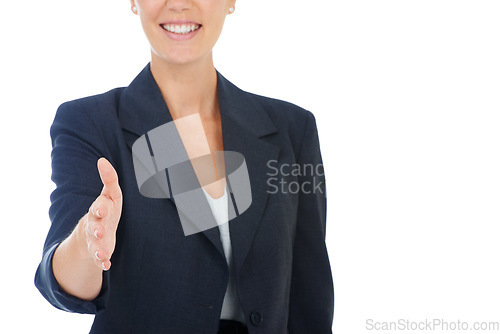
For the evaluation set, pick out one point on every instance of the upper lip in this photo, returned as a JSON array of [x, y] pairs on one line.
[[180, 22]]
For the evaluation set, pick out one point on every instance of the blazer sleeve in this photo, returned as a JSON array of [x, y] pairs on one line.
[[311, 294], [76, 147]]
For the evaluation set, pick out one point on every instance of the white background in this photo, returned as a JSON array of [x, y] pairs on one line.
[[406, 96]]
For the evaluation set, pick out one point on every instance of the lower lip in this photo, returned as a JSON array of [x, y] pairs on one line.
[[180, 37]]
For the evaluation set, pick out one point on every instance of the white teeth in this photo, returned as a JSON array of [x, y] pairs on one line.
[[181, 29]]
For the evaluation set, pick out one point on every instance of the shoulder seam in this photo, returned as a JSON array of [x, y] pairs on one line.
[[306, 124]]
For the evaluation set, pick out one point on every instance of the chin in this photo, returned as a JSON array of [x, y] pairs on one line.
[[179, 58]]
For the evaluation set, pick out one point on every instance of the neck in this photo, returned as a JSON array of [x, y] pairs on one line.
[[187, 88]]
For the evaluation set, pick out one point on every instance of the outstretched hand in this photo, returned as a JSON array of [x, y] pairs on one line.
[[103, 217]]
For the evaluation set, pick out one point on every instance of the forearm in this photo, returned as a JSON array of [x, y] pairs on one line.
[[74, 267]]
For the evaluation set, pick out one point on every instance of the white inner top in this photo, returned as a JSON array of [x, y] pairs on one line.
[[231, 309]]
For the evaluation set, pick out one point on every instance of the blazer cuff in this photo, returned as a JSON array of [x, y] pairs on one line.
[[46, 282]]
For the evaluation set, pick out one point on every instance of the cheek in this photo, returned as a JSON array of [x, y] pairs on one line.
[[148, 29], [149, 24], [149, 11], [215, 24]]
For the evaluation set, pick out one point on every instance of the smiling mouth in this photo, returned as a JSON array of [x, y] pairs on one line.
[[181, 29]]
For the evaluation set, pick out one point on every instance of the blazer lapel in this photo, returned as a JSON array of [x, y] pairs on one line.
[[244, 122]]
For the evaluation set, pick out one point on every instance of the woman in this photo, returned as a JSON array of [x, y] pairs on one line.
[[126, 257]]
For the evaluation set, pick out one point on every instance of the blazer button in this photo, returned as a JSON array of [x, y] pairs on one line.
[[256, 318]]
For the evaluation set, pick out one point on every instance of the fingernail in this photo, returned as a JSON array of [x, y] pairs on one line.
[[97, 255], [95, 235], [103, 266], [97, 213]]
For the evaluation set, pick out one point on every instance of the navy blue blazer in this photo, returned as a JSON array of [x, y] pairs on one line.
[[162, 281]]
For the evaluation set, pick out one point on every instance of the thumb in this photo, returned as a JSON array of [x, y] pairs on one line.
[[109, 178]]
